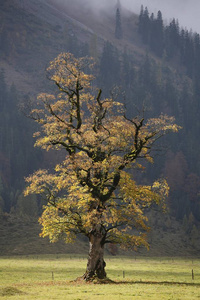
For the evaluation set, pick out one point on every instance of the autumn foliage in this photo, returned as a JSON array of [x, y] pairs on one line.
[[92, 190]]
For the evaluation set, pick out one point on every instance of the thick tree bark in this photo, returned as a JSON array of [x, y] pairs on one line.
[[96, 264]]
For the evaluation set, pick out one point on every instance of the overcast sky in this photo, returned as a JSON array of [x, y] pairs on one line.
[[186, 11]]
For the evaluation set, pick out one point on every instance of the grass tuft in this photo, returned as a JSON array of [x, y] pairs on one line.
[[10, 291]]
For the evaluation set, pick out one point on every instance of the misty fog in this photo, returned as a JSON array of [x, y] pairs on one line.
[[186, 11]]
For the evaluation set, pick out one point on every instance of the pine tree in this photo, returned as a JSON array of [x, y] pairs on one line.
[[189, 53], [118, 25], [145, 26], [159, 34], [140, 20], [109, 67], [172, 39], [3, 90]]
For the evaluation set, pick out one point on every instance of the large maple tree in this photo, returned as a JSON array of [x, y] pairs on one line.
[[92, 191]]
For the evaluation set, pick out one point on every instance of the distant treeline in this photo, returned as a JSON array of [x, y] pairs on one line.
[[171, 41]]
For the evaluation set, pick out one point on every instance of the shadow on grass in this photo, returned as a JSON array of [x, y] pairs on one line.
[[9, 291], [109, 281], [157, 283]]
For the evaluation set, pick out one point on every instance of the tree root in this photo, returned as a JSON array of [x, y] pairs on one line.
[[94, 280]]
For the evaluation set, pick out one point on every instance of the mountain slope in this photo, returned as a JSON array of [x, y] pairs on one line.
[[34, 32]]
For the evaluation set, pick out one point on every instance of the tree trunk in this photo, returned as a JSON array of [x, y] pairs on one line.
[[96, 264]]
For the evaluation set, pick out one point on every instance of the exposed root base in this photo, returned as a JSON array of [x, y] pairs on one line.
[[94, 280]]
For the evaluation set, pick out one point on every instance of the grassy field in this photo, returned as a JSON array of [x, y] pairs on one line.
[[51, 277]]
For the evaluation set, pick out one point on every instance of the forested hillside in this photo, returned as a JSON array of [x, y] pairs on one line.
[[153, 67]]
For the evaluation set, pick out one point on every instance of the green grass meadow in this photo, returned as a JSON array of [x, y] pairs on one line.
[[52, 277]]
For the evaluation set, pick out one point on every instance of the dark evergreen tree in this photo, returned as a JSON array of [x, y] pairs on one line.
[[182, 45], [170, 96], [3, 90], [189, 53], [172, 39], [156, 34], [128, 73], [144, 25], [118, 25], [159, 34], [109, 68], [145, 74], [196, 76], [140, 20]]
